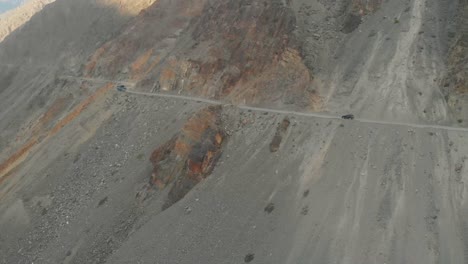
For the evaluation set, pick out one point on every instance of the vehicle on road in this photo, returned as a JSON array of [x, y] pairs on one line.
[[348, 116], [121, 88]]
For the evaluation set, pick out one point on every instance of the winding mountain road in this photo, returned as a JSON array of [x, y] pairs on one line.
[[130, 84]]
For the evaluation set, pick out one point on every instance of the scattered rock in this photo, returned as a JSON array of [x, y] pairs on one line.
[[269, 208], [102, 201], [459, 167], [280, 133], [351, 23], [305, 210], [249, 257]]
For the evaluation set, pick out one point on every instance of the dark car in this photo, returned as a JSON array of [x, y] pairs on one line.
[[349, 116], [121, 88]]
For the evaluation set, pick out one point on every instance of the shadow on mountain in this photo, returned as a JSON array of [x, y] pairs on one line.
[[64, 33]]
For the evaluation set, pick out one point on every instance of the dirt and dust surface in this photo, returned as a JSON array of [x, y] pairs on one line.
[[329, 192], [90, 174]]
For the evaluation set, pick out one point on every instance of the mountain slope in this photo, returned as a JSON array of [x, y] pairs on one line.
[[66, 31], [325, 58], [52, 43], [156, 173], [201, 53], [17, 17]]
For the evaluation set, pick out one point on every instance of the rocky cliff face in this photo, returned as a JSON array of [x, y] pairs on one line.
[[190, 156], [204, 48], [288, 54]]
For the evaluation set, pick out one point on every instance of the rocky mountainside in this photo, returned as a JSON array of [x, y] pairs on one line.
[[309, 55], [52, 43], [67, 32], [206, 49], [226, 144], [15, 18]]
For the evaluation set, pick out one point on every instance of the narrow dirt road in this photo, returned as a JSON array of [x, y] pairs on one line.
[[269, 110]]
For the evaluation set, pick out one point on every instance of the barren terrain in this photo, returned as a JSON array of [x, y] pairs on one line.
[[227, 144]]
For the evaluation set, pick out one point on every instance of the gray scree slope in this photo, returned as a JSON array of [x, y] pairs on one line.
[[335, 191]]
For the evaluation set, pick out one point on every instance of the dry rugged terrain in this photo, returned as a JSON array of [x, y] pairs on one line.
[[227, 143], [13, 19]]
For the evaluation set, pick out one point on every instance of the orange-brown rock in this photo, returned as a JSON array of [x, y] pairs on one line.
[[280, 133], [238, 50], [190, 156], [161, 157]]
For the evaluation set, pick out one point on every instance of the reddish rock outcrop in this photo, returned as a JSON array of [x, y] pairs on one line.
[[190, 156], [280, 133]]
